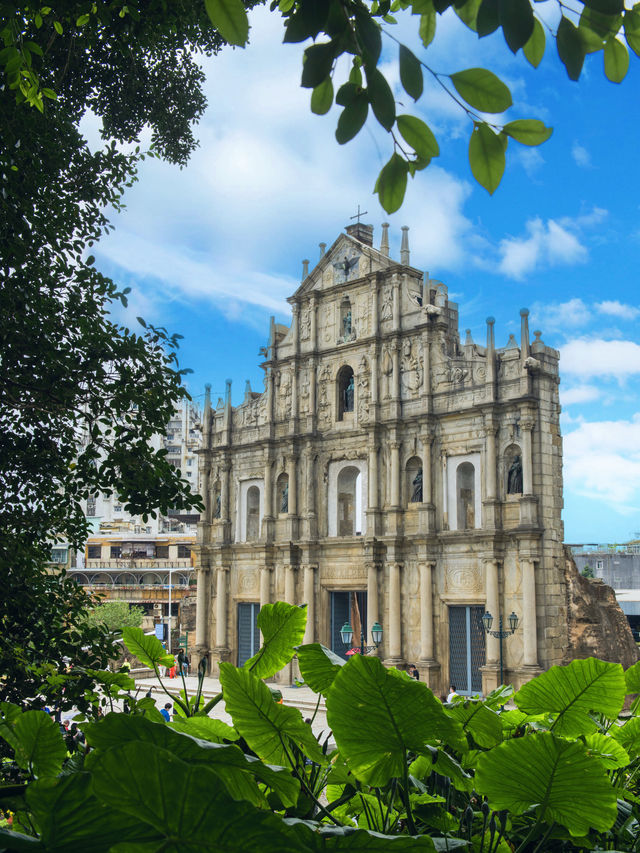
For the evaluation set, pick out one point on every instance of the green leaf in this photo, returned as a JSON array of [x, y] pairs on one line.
[[632, 679], [322, 97], [628, 736], [187, 805], [486, 157], [265, 725], [571, 692], [419, 136], [427, 28], [616, 60], [528, 131], [352, 118], [607, 749], [38, 743], [534, 48], [571, 48], [238, 772], [326, 839], [82, 20], [381, 98], [632, 30], [516, 19], [606, 7], [18, 841], [347, 93], [148, 649], [317, 63], [410, 73], [57, 26], [318, 666], [229, 17], [488, 18], [556, 770], [481, 722], [369, 36], [71, 820], [282, 626], [392, 184], [601, 24], [482, 90], [205, 728], [401, 715], [468, 13]]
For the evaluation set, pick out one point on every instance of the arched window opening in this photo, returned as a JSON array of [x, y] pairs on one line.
[[253, 513], [513, 470], [282, 493], [465, 492], [346, 391], [413, 480], [349, 502]]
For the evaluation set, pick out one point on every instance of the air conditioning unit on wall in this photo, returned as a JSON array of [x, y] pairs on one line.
[[157, 606]]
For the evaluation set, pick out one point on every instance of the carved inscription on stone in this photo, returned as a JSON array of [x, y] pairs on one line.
[[247, 581], [463, 579]]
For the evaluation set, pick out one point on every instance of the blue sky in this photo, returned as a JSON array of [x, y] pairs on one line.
[[211, 251]]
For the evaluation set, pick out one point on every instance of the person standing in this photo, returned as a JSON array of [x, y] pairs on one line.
[[452, 693]]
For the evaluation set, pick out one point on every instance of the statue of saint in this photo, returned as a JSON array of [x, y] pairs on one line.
[[346, 324], [216, 511], [348, 396], [416, 497], [284, 501], [514, 477]]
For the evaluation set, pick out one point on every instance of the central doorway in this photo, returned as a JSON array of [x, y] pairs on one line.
[[347, 606], [248, 633], [466, 648]]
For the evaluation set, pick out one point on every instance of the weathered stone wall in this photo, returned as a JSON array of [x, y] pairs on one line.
[[596, 626]]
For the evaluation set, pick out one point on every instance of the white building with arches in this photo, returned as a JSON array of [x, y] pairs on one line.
[[389, 472]]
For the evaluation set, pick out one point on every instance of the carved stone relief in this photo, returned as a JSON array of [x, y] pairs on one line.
[[247, 581], [324, 403], [363, 391], [305, 390], [463, 579], [283, 384], [305, 323], [386, 309], [386, 366], [411, 370]]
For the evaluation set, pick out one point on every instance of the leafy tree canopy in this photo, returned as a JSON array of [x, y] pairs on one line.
[[116, 615]]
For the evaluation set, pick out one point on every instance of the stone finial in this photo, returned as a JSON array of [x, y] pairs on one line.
[[207, 394], [384, 240], [524, 332], [404, 247], [227, 391], [247, 390], [323, 249], [512, 343], [305, 269], [468, 341]]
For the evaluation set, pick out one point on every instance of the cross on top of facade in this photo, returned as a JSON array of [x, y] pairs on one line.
[[359, 214]]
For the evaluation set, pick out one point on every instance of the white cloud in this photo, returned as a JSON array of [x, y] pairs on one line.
[[613, 308], [598, 358], [580, 155], [546, 244], [579, 394], [602, 460], [560, 316]]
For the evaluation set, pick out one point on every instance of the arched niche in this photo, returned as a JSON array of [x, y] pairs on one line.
[[466, 496], [282, 494], [347, 490], [413, 481], [512, 466], [346, 389], [253, 513]]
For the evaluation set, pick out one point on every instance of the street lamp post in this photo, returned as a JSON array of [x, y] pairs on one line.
[[169, 619], [346, 633], [501, 634]]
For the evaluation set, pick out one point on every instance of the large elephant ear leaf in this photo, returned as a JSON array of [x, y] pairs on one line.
[[268, 727], [38, 744], [147, 648], [318, 666], [628, 736], [282, 626], [564, 782], [401, 715], [570, 693], [482, 723], [608, 750]]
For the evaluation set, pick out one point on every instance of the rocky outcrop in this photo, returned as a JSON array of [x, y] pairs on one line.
[[596, 625]]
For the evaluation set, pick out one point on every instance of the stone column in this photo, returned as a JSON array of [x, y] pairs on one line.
[[493, 606], [490, 478], [374, 306], [395, 353], [314, 321], [426, 370], [395, 474], [373, 359], [221, 608], [395, 284], [373, 612], [312, 386], [295, 326], [265, 585], [427, 508], [529, 623], [268, 489], [310, 600], [526, 425], [373, 476], [426, 611], [202, 611], [225, 497], [293, 491], [394, 645], [289, 584], [294, 397]]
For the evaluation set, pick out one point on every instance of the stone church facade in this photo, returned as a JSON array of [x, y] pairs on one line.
[[390, 472]]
